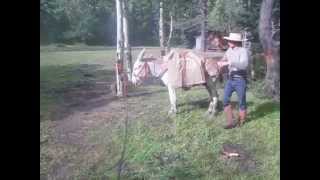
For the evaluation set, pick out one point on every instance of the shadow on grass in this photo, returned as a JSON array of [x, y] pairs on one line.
[[263, 110], [153, 81], [204, 104], [74, 87], [201, 103], [235, 104], [78, 87], [143, 93]]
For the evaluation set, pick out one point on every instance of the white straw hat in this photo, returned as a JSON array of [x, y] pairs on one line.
[[234, 37]]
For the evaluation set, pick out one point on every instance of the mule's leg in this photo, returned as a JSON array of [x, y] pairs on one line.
[[215, 95], [172, 96], [210, 102], [211, 87]]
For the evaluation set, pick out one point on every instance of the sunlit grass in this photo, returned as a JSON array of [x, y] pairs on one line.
[[186, 146]]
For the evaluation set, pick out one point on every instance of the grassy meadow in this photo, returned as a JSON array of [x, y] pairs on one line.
[[133, 136]]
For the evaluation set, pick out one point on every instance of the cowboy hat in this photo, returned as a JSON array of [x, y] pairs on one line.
[[234, 37]]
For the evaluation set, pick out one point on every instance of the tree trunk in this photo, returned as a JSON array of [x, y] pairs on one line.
[[161, 29], [127, 47], [271, 53], [204, 9], [119, 63], [170, 34]]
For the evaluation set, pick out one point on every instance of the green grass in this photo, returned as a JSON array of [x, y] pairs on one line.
[[189, 144], [158, 147], [194, 144], [60, 72], [76, 57], [80, 47]]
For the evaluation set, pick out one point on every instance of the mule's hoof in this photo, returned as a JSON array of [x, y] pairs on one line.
[[214, 114], [172, 113], [207, 113]]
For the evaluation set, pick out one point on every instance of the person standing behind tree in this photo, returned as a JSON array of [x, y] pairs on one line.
[[236, 58]]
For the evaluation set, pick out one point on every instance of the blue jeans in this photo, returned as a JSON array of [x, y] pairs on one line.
[[239, 85]]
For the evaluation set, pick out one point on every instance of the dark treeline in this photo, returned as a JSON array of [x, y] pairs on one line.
[[93, 22]]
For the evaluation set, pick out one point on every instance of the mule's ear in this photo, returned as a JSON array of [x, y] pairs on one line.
[[140, 56]]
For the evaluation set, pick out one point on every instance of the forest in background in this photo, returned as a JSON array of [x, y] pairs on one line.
[[93, 22]]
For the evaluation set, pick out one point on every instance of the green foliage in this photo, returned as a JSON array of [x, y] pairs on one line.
[[231, 15], [259, 66], [223, 15], [143, 22], [76, 21], [52, 21], [93, 21], [256, 87]]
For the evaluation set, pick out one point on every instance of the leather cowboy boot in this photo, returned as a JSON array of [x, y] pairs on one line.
[[229, 118], [242, 117]]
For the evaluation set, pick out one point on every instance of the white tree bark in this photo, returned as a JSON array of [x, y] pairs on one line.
[[161, 29], [127, 47], [204, 9], [170, 34], [119, 63]]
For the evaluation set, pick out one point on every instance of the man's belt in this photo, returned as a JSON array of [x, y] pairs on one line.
[[241, 73], [238, 74]]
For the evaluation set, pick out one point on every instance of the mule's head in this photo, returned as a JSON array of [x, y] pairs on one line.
[[140, 69]]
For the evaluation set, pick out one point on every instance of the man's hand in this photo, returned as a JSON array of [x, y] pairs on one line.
[[222, 63]]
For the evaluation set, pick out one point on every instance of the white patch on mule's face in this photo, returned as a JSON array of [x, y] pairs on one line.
[[137, 68]]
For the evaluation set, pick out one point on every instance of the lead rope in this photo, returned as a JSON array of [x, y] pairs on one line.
[[124, 146]]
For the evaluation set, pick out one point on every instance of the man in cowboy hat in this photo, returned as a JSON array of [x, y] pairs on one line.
[[236, 58]]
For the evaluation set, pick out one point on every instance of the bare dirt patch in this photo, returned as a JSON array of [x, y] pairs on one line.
[[84, 110], [236, 155]]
